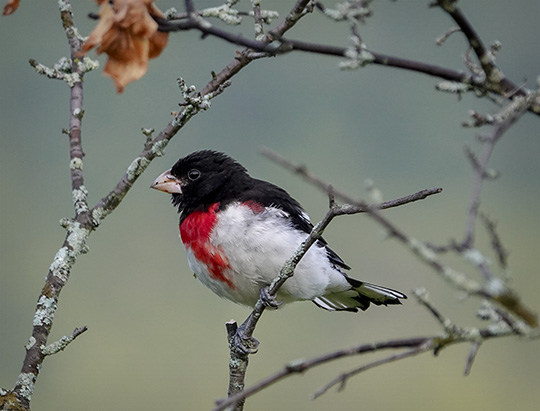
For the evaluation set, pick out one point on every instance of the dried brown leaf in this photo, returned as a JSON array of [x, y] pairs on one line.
[[128, 34], [11, 6]]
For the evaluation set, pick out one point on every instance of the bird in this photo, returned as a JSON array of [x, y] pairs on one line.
[[238, 231]]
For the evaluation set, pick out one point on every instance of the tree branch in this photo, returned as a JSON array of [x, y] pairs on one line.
[[275, 44], [300, 366], [415, 346], [87, 219], [73, 245], [494, 289]]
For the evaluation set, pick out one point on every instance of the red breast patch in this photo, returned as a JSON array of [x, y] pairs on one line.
[[254, 206], [195, 232]]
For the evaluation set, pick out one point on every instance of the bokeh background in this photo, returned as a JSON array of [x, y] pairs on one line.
[[156, 338]]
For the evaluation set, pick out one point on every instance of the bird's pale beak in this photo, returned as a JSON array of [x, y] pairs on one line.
[[167, 183]]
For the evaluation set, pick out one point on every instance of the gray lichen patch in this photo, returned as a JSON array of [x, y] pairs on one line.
[[45, 311]]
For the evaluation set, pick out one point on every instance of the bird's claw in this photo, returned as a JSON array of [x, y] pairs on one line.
[[268, 299], [244, 345]]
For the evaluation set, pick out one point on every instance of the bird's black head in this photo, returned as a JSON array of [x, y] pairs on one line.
[[201, 179]]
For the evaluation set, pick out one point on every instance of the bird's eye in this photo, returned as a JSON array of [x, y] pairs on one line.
[[193, 174]]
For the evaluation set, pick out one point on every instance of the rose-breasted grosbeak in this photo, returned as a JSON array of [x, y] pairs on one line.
[[238, 232]]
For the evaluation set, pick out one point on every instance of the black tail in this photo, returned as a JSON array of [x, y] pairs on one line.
[[360, 296]]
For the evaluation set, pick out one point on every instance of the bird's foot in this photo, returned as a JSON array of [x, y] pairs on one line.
[[268, 299], [243, 344]]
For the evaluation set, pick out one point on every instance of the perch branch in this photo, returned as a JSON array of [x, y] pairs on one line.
[[239, 357]]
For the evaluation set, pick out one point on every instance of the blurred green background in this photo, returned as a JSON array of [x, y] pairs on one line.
[[156, 338]]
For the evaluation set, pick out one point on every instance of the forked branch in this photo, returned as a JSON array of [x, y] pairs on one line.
[[239, 336]]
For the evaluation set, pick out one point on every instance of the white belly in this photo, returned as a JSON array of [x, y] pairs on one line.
[[257, 244]]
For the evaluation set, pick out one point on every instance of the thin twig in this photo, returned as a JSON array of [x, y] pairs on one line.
[[485, 57], [259, 30], [342, 378], [442, 39], [496, 243], [63, 342], [509, 116], [303, 172], [423, 298], [475, 346]]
